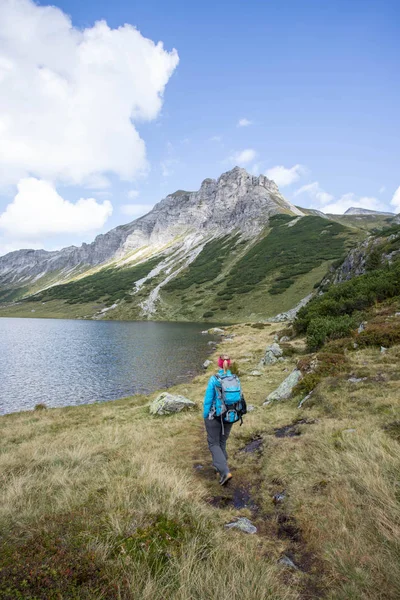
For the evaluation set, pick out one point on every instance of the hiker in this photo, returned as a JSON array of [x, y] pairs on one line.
[[223, 405]]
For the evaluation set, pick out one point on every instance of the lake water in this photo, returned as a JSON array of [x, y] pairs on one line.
[[66, 362]]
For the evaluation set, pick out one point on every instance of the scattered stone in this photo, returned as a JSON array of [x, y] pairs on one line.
[[397, 314], [348, 431], [305, 399], [250, 408], [357, 379], [228, 339], [199, 467], [267, 403], [211, 343], [284, 391], [255, 373], [383, 349], [216, 330], [362, 327], [279, 497], [287, 562], [33, 310], [205, 332], [167, 403], [206, 364], [272, 354], [355, 345], [242, 524], [284, 338]]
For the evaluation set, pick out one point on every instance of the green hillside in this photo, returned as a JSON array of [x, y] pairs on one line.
[[230, 279]]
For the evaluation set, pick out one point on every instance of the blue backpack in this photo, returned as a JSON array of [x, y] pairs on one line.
[[232, 402]]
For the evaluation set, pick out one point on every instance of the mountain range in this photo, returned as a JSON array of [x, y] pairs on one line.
[[235, 249]]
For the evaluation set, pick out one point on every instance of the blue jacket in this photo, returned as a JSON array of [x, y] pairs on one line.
[[211, 395]]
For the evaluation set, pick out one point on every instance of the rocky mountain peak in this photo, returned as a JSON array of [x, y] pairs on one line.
[[236, 201], [366, 211]]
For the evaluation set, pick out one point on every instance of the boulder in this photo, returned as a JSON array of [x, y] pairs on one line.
[[206, 364], [166, 404], [242, 524], [284, 391], [272, 354], [216, 330]]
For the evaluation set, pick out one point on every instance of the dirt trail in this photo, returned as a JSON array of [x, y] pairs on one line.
[[243, 494]]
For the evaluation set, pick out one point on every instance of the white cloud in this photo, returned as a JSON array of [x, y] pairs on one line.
[[136, 210], [69, 97], [284, 176], [351, 200], [244, 157], [133, 194], [315, 192], [38, 211], [244, 122], [215, 138], [395, 201]]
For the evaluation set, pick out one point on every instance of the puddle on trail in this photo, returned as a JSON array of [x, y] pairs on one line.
[[291, 430], [253, 446], [240, 497]]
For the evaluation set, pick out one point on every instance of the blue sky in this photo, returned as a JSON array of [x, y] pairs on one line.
[[316, 85]]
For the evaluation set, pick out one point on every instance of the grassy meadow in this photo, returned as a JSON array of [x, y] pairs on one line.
[[106, 502]]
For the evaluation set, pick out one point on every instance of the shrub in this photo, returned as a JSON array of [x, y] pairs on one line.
[[40, 406], [307, 384], [328, 328], [208, 314], [380, 334]]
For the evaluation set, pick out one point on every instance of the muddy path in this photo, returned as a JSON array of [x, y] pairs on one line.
[[268, 512]]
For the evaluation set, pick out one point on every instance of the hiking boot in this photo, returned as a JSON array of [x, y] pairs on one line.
[[225, 478]]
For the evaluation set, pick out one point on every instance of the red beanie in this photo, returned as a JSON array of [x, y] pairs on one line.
[[222, 360]]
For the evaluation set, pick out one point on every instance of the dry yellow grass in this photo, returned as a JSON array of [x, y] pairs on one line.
[[103, 501]]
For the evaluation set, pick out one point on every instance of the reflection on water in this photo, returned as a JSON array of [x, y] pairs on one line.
[[65, 362]]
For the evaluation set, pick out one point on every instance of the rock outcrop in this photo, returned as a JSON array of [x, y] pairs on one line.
[[166, 404], [236, 201], [284, 391]]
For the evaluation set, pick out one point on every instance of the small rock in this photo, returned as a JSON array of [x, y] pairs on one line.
[[206, 364], [33, 310], [242, 524], [211, 343], [383, 349], [279, 497], [355, 345], [255, 373], [287, 562], [357, 379], [285, 338], [305, 399], [285, 389], [250, 408], [348, 431], [272, 354], [205, 332], [361, 327], [214, 330], [228, 339], [397, 314], [166, 403]]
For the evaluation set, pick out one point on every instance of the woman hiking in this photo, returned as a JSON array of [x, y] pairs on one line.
[[218, 427]]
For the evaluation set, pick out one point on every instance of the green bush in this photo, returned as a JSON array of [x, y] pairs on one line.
[[322, 329], [208, 314], [380, 334]]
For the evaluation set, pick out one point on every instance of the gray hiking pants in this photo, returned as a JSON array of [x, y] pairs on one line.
[[217, 443]]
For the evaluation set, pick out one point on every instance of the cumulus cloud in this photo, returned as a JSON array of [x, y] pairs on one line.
[[316, 193], [244, 122], [69, 98], [350, 200], [244, 157], [38, 211], [395, 201], [284, 176], [136, 210]]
